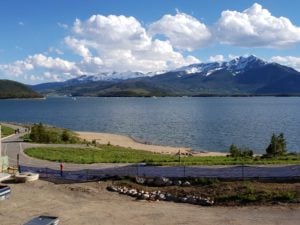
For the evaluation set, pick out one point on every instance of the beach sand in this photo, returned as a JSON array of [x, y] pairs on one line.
[[124, 141]]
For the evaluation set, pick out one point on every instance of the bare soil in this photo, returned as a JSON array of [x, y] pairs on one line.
[[90, 203], [231, 193]]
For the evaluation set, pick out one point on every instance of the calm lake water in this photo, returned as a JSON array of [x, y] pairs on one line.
[[200, 123]]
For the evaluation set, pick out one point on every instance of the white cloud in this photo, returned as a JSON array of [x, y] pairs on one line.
[[51, 76], [55, 50], [17, 68], [184, 31], [290, 61], [256, 27], [78, 47], [217, 58], [21, 23], [121, 43], [62, 25], [38, 63], [57, 64], [113, 31]]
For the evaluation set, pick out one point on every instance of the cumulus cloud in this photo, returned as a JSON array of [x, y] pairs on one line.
[[256, 27], [104, 43], [113, 31], [40, 62], [290, 61], [17, 68], [121, 43], [184, 31], [78, 47], [216, 58]]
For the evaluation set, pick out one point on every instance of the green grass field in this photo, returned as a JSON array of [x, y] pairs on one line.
[[5, 131], [114, 154]]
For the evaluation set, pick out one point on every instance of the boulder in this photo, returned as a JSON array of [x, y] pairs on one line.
[[140, 180], [191, 200], [186, 184], [161, 181], [170, 197], [145, 196], [132, 192], [112, 188], [162, 197], [177, 182], [182, 199], [152, 197]]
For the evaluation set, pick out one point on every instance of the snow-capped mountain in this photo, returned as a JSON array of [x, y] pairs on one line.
[[107, 76], [235, 66], [240, 76]]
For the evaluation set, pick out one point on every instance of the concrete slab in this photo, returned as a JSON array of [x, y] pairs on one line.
[[4, 176]]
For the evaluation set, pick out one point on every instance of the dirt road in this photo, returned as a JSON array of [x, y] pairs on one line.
[[90, 203]]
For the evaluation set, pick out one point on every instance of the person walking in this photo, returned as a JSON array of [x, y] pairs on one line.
[[61, 169]]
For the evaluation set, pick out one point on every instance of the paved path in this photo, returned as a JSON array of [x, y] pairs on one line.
[[13, 145]]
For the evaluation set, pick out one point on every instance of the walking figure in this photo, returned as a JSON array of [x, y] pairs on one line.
[[61, 169]]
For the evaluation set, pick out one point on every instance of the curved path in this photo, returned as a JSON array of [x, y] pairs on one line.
[[13, 145]]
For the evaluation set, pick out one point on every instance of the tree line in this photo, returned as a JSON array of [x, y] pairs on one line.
[[276, 147]]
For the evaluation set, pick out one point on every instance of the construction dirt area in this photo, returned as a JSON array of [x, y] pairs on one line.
[[91, 203]]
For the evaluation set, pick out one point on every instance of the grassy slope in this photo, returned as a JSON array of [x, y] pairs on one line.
[[5, 131], [114, 154]]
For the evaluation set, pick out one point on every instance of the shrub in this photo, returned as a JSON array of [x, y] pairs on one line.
[[240, 152], [42, 134]]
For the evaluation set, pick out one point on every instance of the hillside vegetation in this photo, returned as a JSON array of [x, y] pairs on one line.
[[12, 89]]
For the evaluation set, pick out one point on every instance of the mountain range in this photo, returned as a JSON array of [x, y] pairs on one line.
[[241, 76]]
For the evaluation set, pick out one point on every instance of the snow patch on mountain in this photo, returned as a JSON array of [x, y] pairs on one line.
[[235, 66], [108, 76]]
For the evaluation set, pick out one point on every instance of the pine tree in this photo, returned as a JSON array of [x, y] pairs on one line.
[[277, 145]]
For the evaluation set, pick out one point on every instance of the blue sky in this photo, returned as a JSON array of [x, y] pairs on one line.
[[41, 40]]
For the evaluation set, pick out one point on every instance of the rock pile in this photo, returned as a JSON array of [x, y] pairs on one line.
[[160, 181], [160, 196]]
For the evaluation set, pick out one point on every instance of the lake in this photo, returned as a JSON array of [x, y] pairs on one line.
[[212, 123]]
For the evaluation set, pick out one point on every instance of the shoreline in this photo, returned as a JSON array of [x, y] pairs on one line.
[[128, 142]]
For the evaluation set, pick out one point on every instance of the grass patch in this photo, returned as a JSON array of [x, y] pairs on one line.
[[116, 154], [6, 131], [104, 154], [224, 160]]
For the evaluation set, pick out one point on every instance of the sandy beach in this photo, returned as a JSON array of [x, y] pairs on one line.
[[124, 141]]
